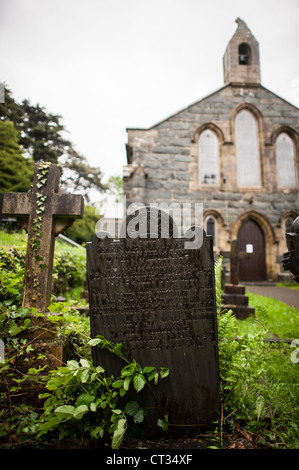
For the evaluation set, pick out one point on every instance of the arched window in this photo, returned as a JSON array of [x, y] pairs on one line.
[[247, 149], [285, 158], [244, 54], [208, 157], [211, 228]]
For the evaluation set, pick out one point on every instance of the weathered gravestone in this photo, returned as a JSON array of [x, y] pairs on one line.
[[290, 260], [44, 211], [156, 296], [233, 296]]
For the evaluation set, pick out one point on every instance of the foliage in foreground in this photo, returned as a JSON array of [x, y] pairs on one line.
[[259, 379], [75, 400], [81, 398]]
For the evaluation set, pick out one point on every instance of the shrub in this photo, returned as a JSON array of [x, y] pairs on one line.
[[69, 270], [259, 381]]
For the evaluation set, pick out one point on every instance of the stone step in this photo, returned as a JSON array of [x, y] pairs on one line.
[[241, 311], [234, 289], [234, 299]]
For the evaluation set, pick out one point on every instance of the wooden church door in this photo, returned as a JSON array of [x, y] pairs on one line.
[[251, 239]]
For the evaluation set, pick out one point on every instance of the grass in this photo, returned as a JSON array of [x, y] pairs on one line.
[[66, 255], [280, 319], [19, 240], [288, 285], [271, 411], [13, 240]]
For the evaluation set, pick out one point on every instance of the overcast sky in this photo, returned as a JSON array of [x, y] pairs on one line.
[[105, 65]]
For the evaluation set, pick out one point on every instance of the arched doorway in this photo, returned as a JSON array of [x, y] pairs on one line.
[[251, 239]]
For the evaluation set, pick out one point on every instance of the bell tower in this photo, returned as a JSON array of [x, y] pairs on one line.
[[241, 61]]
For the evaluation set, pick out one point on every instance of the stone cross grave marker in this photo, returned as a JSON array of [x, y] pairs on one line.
[[234, 255], [157, 298], [45, 211], [233, 296]]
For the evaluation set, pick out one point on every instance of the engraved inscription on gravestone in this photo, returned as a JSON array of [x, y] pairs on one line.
[[157, 297]]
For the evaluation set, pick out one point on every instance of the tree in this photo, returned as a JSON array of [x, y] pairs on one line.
[[116, 187], [16, 171], [41, 138], [78, 175], [83, 230], [41, 133]]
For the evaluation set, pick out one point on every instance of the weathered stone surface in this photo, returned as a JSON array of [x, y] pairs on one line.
[[291, 258], [46, 212], [225, 196], [157, 298], [234, 298], [176, 140]]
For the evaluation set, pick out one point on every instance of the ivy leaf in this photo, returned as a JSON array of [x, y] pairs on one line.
[[14, 329]]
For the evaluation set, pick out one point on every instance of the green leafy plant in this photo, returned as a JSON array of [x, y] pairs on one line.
[[77, 399], [69, 270], [259, 382], [82, 399]]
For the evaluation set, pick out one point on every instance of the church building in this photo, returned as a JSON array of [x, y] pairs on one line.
[[235, 151]]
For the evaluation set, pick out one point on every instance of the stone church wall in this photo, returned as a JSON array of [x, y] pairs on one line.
[[168, 156]]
